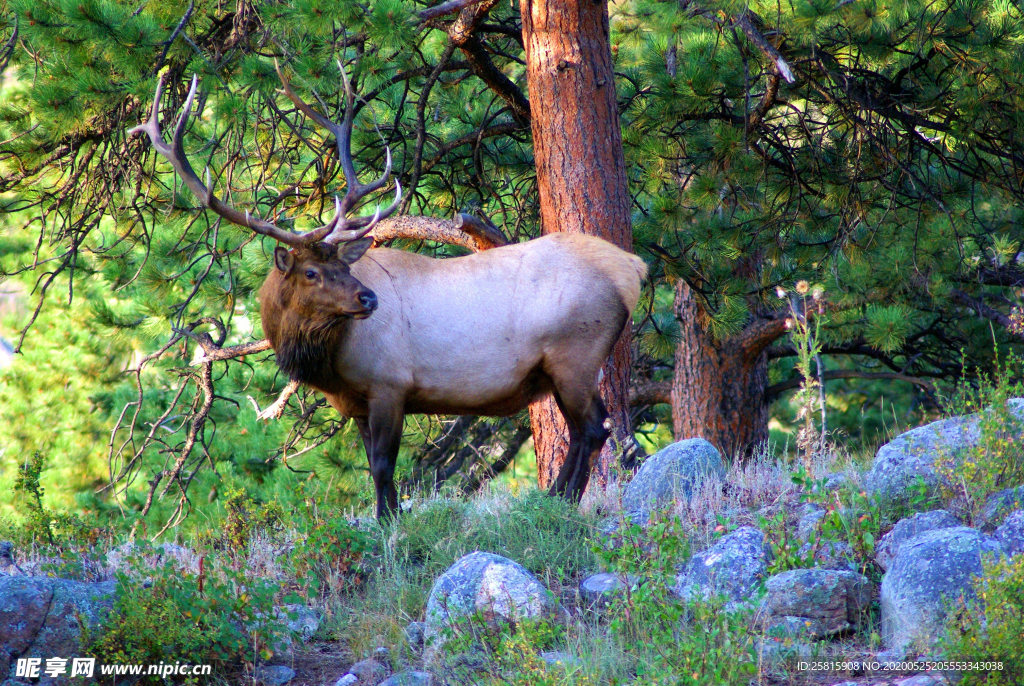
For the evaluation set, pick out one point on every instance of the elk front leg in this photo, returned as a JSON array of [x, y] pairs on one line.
[[382, 438]]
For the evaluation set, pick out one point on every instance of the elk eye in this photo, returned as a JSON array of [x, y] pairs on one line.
[[311, 275]]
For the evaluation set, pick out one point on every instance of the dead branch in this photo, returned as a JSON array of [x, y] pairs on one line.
[[275, 410]]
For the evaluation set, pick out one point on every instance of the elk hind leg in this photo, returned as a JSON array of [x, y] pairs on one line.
[[587, 435]]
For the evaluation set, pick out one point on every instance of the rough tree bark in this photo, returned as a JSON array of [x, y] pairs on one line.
[[581, 178], [719, 387]]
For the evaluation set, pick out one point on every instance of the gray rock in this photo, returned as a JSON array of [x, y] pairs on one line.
[[347, 680], [382, 655], [490, 586], [808, 523], [561, 659], [733, 567], [919, 680], [366, 673], [916, 453], [999, 506], [779, 656], [409, 678], [274, 675], [306, 622], [830, 554], [600, 589], [44, 617], [1011, 534], [930, 574], [816, 603], [906, 529], [414, 635], [672, 473]]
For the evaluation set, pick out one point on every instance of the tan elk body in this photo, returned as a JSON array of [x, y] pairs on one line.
[[483, 334], [384, 333]]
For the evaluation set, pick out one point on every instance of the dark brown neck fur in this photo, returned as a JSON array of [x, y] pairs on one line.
[[304, 347]]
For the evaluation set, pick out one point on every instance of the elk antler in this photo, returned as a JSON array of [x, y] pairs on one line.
[[339, 229], [347, 229]]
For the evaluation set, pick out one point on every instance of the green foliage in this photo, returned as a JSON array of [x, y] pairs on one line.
[[546, 535], [59, 530], [851, 516], [333, 552], [991, 628], [221, 616], [245, 517], [786, 546], [996, 460], [694, 642]]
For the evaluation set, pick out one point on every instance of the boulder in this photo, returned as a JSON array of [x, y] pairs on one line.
[[1011, 534], [44, 617], [816, 603], [598, 590], [414, 635], [906, 529], [930, 574], [734, 567], [672, 473], [306, 622], [487, 586], [917, 453], [274, 675], [921, 680], [810, 515], [830, 554], [364, 673], [999, 506], [409, 678]]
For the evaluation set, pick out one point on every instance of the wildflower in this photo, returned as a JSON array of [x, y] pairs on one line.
[[780, 291], [802, 287]]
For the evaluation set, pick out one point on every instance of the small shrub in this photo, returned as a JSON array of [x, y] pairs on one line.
[[220, 616], [851, 516], [996, 461], [510, 657], [702, 641], [991, 629], [333, 554], [246, 516], [41, 525], [786, 546]]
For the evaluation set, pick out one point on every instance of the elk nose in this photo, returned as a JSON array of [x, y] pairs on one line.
[[368, 300]]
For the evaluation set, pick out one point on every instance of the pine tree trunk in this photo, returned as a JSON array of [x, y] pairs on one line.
[[718, 387], [581, 179]]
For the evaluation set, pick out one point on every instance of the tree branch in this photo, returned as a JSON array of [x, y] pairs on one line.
[[745, 23], [461, 34], [467, 232], [445, 8], [983, 310], [651, 393]]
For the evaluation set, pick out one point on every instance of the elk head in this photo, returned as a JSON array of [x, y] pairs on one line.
[[316, 285]]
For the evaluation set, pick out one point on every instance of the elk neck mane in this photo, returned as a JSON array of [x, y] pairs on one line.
[[304, 347]]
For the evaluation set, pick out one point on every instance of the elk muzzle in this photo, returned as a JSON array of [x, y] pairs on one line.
[[368, 299]]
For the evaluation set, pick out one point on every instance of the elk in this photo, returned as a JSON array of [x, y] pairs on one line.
[[383, 333]]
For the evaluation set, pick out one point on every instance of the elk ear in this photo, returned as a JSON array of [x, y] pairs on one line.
[[350, 252], [283, 260]]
